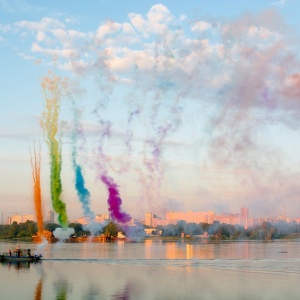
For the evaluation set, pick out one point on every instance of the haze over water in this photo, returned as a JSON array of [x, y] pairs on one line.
[[157, 269]]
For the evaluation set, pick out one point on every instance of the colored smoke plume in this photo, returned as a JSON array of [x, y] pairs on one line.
[[52, 92], [135, 233], [94, 227], [63, 233], [35, 159], [82, 192], [114, 201]]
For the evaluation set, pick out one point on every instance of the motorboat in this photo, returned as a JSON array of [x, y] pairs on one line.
[[4, 257], [19, 255]]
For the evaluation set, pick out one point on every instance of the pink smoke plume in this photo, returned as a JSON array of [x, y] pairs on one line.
[[114, 201]]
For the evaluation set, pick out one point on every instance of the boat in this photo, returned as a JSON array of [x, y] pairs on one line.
[[6, 257], [19, 256]]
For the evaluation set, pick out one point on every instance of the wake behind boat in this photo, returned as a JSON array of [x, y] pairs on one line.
[[19, 255]]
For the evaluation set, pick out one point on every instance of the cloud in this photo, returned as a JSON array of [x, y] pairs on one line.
[[43, 25], [65, 53], [201, 26], [26, 56], [108, 28], [155, 21]]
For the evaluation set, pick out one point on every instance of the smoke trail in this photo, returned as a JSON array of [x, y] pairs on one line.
[[82, 192], [35, 159], [52, 91], [40, 248], [114, 201]]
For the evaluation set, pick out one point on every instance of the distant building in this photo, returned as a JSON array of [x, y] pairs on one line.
[[28, 218], [82, 220], [98, 219], [209, 217], [244, 212], [153, 220], [19, 218], [190, 216], [101, 218], [16, 218], [149, 218]]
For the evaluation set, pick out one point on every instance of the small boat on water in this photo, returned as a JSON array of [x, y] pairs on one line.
[[19, 256], [4, 257]]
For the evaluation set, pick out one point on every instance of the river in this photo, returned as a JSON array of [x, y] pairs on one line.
[[156, 269]]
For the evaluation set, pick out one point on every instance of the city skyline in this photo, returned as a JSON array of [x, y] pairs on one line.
[[186, 107], [169, 218]]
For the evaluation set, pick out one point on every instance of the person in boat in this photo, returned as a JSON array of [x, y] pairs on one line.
[[18, 251], [9, 252]]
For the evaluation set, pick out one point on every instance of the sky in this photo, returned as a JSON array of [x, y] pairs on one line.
[[190, 106]]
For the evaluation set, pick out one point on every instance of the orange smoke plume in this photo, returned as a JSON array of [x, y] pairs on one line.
[[37, 192]]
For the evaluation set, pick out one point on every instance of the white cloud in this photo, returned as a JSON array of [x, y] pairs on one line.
[[159, 14], [26, 56], [259, 32], [137, 21], [66, 53], [43, 25], [66, 38], [155, 22], [40, 36], [158, 18], [108, 28], [128, 29], [201, 26]]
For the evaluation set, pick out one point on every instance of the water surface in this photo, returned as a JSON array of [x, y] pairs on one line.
[[156, 269]]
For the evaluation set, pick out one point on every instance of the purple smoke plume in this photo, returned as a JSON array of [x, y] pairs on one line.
[[114, 201]]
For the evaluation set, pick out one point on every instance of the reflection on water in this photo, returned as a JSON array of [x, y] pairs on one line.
[[130, 290], [157, 269], [38, 290], [17, 265], [61, 288], [124, 294]]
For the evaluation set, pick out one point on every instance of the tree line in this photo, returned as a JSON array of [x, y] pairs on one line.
[[30, 228], [265, 231], [217, 230]]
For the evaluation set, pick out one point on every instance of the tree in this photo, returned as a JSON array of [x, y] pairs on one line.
[[78, 229], [51, 226], [14, 230], [111, 229], [169, 230], [180, 227]]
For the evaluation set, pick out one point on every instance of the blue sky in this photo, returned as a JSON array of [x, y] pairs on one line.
[[201, 99]]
